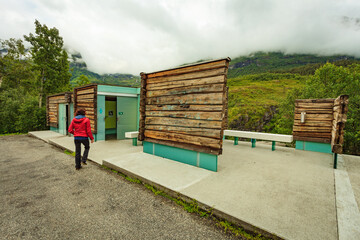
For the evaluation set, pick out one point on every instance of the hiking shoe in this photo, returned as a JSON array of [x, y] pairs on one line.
[[77, 168], [84, 163]]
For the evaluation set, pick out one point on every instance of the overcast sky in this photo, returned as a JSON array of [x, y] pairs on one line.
[[133, 36]]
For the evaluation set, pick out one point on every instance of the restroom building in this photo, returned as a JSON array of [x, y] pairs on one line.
[[112, 110]]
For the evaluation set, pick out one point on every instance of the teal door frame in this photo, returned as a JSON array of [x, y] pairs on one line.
[[122, 92]]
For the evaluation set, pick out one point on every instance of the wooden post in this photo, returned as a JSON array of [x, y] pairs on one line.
[[142, 109], [339, 112]]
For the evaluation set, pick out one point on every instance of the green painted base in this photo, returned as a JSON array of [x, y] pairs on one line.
[[313, 146], [198, 159], [54, 129]]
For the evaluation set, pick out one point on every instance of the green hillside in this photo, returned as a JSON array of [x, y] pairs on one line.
[[261, 62], [254, 99], [78, 69], [259, 83]]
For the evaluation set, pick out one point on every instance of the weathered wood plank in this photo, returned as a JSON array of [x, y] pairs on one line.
[[184, 83], [315, 116], [312, 129], [82, 97], [212, 133], [142, 107], [189, 115], [182, 70], [312, 139], [207, 98], [193, 75], [184, 107], [186, 146], [186, 90], [322, 100], [92, 100], [313, 110], [313, 134], [175, 137], [85, 91], [87, 105], [182, 123], [313, 123], [325, 105]]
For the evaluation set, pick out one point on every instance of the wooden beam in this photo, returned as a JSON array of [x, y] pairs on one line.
[[194, 68], [186, 90], [182, 138], [203, 98], [212, 133], [185, 107], [185, 146], [188, 115], [183, 83], [193, 75], [178, 122]]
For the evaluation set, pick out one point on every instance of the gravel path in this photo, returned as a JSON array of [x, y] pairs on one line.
[[43, 197]]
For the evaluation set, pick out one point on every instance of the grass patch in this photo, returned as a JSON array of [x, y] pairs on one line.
[[11, 134], [193, 207], [69, 153], [252, 101]]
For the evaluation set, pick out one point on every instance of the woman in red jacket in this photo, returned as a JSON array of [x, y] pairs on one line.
[[80, 128]]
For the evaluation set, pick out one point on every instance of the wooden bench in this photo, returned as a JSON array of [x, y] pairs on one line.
[[258, 135], [133, 135]]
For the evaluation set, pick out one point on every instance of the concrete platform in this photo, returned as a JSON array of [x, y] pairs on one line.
[[287, 192]]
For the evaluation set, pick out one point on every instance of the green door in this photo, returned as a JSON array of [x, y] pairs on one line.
[[126, 115], [110, 117], [62, 118]]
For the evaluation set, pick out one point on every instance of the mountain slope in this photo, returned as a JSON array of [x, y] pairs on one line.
[[261, 62]]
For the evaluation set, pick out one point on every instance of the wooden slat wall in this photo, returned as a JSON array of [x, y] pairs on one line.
[[185, 107], [318, 121], [52, 106], [86, 98], [340, 110]]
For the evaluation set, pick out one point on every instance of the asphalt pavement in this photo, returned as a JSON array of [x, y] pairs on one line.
[[43, 197]]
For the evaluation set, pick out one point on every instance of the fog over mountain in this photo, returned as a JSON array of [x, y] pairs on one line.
[[131, 36]]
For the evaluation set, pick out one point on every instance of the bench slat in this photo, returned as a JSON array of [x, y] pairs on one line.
[[131, 134], [259, 136]]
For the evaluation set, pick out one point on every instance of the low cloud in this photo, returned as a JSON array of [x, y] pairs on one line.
[[133, 36]]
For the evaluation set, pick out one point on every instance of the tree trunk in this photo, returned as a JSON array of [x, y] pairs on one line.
[[41, 88]]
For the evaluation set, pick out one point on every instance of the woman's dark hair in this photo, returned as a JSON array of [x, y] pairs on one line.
[[80, 111]]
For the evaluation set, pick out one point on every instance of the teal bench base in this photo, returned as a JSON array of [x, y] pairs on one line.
[[253, 143], [313, 146], [198, 159]]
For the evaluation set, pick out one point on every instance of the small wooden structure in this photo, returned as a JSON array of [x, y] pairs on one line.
[[320, 121], [59, 111], [185, 107]]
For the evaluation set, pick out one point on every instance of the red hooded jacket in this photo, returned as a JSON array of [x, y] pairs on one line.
[[81, 128]]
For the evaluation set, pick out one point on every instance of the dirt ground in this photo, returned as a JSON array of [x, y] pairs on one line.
[[43, 197]]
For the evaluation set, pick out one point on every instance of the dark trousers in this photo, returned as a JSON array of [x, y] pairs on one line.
[[78, 151]]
